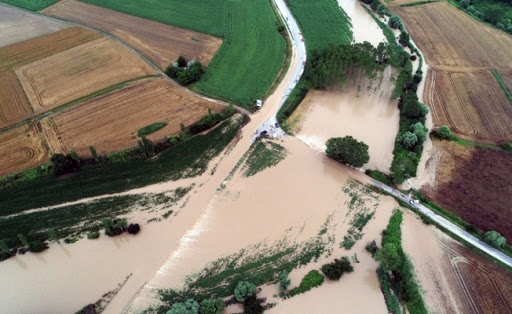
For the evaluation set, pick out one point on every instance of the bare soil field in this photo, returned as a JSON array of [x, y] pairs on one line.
[[161, 43], [455, 279], [450, 37], [14, 106], [78, 72], [474, 184], [17, 25], [110, 122], [396, 3], [20, 54], [21, 148], [471, 103]]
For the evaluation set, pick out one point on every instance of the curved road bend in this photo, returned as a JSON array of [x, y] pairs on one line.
[[447, 224]]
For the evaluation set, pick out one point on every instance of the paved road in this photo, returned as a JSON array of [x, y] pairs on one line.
[[447, 224], [298, 41]]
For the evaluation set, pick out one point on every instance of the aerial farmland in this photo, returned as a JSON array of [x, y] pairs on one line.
[[256, 156]]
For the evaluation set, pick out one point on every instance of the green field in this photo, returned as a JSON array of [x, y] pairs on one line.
[[32, 5], [251, 55], [322, 22]]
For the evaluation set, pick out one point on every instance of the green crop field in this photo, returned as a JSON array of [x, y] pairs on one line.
[[322, 22], [32, 5], [252, 52]]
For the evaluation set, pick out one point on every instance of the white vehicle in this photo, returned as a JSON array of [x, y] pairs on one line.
[[414, 202]]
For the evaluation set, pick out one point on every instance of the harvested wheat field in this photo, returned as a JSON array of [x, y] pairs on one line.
[[14, 106], [450, 37], [474, 184], [506, 76], [17, 25], [20, 54], [110, 122], [21, 148], [453, 278], [78, 72], [161, 43], [472, 104], [396, 3]]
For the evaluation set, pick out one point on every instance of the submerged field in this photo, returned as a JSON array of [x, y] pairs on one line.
[[251, 55], [110, 122], [159, 42]]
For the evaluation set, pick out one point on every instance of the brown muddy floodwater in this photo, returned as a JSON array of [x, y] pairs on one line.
[[364, 27], [368, 115], [293, 199]]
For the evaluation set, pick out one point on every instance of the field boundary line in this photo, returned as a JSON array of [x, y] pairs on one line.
[[504, 87]]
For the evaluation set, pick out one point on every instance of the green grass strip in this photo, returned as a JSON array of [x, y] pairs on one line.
[[502, 85], [153, 127], [412, 4]]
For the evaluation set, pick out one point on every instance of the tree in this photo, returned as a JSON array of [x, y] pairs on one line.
[[444, 132], [420, 131], [465, 4], [347, 150], [133, 228], [53, 235], [182, 62], [93, 153], [182, 127], [404, 39], [335, 270], [375, 4], [74, 156], [494, 239], [243, 290], [389, 257], [411, 107], [212, 306], [63, 164], [252, 305], [284, 281], [188, 307], [23, 239], [4, 248], [146, 147], [395, 22]]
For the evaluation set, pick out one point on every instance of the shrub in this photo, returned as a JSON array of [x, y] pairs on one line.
[[372, 248], [243, 290], [188, 307], [64, 164], [153, 127], [335, 270], [133, 228], [311, 280], [252, 305], [37, 246], [93, 235], [444, 132], [507, 146], [494, 239], [114, 227], [212, 306], [284, 281]]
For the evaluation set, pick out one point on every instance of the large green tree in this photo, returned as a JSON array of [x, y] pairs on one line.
[[494, 239], [212, 306], [243, 290], [389, 257], [188, 307], [348, 151]]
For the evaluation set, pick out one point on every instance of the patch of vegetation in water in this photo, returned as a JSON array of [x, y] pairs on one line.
[[264, 155], [72, 221]]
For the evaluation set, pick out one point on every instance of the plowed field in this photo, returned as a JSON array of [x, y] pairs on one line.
[[475, 184], [450, 37], [28, 51], [161, 43], [17, 25], [110, 122], [78, 72], [471, 103], [14, 106], [21, 148]]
